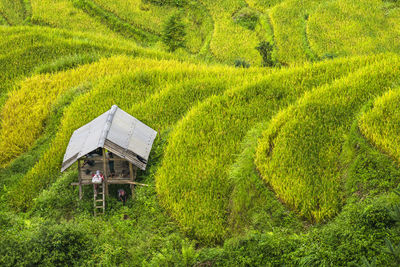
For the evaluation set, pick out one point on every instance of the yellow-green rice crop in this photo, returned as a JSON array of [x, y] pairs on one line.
[[381, 124], [151, 18], [62, 14], [298, 154], [168, 88], [13, 11], [192, 181], [289, 23], [27, 108], [353, 27], [231, 41], [263, 5], [146, 16], [24, 48]]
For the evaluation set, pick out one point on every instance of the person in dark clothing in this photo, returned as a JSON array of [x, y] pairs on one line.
[[122, 196]]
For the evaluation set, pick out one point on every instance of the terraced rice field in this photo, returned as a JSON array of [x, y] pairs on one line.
[[291, 164]]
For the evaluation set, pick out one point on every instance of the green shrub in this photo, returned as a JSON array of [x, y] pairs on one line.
[[265, 49], [46, 244], [174, 33], [241, 63]]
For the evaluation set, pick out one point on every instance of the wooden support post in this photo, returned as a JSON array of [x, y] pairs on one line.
[[132, 175], [105, 190], [80, 179]]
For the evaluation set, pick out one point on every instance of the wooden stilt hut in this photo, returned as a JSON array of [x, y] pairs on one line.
[[116, 144]]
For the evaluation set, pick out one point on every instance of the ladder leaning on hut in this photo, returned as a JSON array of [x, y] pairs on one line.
[[101, 200]]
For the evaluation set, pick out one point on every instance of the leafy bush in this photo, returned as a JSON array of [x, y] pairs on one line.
[[46, 244], [241, 63], [265, 49], [174, 33]]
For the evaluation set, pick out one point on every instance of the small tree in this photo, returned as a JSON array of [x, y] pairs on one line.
[[173, 34], [265, 49]]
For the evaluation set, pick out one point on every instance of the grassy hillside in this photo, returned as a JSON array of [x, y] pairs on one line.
[[299, 154], [277, 131], [202, 209], [141, 79]]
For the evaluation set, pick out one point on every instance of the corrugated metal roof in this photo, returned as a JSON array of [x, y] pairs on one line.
[[115, 130]]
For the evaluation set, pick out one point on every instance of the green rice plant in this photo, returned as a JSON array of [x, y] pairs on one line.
[[192, 181], [3, 21], [380, 124], [253, 206], [298, 155], [139, 14], [246, 17], [368, 171], [115, 23], [227, 43], [150, 17], [350, 27], [62, 14], [13, 11], [289, 23], [65, 63], [173, 34], [25, 48], [263, 5]]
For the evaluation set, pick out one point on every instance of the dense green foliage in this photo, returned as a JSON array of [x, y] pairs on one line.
[[278, 131]]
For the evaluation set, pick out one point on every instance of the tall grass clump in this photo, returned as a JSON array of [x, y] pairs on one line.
[[298, 154], [192, 181], [173, 34], [381, 126]]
